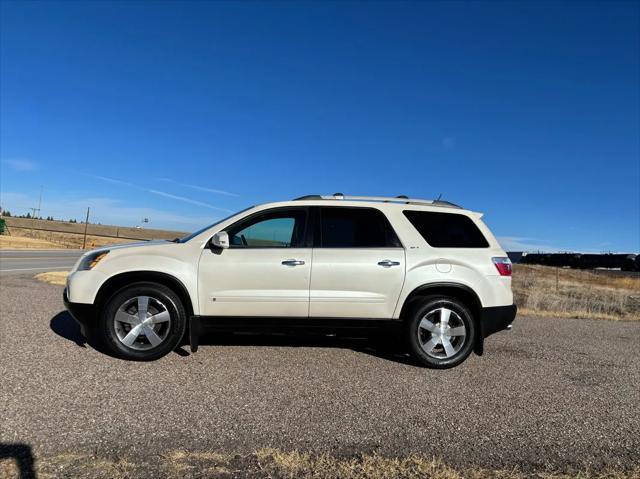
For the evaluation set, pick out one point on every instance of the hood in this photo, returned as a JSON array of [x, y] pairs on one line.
[[96, 251], [138, 244]]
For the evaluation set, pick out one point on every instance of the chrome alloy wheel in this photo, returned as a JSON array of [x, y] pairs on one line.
[[441, 333], [142, 323]]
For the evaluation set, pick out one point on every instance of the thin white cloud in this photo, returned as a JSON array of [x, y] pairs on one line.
[[112, 180], [187, 200], [161, 193], [20, 164], [535, 245], [200, 188], [531, 245]]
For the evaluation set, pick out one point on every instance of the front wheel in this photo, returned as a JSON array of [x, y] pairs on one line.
[[143, 322], [441, 332]]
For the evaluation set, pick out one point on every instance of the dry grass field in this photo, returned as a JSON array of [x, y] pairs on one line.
[[566, 293], [55, 239], [63, 234], [19, 242], [276, 464]]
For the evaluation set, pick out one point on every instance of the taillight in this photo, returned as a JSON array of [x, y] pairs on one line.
[[503, 265]]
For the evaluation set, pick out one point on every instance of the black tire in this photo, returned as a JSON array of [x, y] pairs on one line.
[[419, 339], [160, 299]]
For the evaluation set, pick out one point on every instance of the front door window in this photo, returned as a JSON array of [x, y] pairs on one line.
[[280, 229]]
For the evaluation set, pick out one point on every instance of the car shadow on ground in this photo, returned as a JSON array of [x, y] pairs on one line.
[[64, 325], [383, 346]]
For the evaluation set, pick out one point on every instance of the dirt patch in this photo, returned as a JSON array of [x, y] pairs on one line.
[[53, 277]]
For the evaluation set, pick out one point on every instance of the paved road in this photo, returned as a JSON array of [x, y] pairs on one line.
[[23, 261], [550, 393]]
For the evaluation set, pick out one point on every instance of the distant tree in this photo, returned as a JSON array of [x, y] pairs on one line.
[[28, 215], [7, 213]]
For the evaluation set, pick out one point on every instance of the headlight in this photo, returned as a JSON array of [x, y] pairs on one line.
[[91, 260]]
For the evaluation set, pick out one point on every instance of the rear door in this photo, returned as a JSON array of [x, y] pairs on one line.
[[358, 264]]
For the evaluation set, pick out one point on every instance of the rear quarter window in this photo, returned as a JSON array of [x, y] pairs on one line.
[[447, 230]]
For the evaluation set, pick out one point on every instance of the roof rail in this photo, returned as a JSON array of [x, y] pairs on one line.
[[385, 199], [308, 197]]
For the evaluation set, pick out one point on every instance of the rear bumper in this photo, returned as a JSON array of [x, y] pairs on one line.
[[497, 318], [84, 314]]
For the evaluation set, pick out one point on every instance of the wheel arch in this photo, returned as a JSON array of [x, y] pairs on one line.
[[459, 291], [121, 280]]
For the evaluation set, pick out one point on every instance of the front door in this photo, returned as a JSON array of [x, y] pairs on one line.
[[264, 272], [358, 265]]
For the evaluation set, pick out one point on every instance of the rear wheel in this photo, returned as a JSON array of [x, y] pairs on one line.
[[143, 322], [441, 332]]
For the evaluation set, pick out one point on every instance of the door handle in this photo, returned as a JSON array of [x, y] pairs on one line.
[[292, 262], [387, 263]]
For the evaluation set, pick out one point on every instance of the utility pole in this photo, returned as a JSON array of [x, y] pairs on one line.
[[86, 223], [36, 211], [40, 200]]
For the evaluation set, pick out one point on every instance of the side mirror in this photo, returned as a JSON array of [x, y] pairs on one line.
[[220, 240]]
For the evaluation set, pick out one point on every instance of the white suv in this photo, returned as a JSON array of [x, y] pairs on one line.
[[315, 264]]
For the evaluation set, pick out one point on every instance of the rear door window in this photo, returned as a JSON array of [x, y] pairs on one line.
[[447, 230], [343, 227]]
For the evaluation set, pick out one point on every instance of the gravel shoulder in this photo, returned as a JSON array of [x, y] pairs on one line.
[[551, 394]]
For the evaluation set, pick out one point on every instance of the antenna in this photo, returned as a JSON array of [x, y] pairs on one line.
[[439, 196]]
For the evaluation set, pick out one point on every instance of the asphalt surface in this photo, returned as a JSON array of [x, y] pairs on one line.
[[550, 393], [25, 261]]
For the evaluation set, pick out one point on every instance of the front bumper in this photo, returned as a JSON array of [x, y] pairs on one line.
[[497, 318], [84, 314]]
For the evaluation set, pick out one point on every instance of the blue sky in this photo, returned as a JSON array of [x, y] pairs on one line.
[[180, 112]]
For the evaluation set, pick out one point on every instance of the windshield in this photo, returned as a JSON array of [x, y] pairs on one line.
[[202, 230]]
